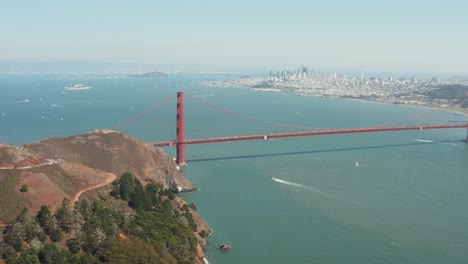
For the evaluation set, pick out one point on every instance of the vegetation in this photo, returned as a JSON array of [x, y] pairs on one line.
[[457, 94], [12, 202], [149, 230], [150, 75], [24, 188]]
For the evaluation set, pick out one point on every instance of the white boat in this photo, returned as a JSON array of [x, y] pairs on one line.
[[356, 164], [77, 87]]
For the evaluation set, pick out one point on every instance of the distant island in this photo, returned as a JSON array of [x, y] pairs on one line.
[[77, 87], [150, 75]]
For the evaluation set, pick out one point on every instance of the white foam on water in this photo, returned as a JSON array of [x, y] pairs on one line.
[[297, 185], [22, 101], [424, 140], [55, 105], [317, 191]]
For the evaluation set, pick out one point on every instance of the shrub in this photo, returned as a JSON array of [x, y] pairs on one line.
[[73, 246], [203, 233], [193, 206], [24, 188], [56, 235]]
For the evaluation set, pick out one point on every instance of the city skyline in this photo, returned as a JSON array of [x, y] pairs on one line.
[[419, 36]]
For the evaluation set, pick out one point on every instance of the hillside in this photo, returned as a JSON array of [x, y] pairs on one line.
[[60, 167], [84, 166], [114, 152]]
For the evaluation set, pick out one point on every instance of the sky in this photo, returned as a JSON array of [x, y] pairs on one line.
[[365, 35]]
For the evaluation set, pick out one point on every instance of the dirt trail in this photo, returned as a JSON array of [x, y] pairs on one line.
[[110, 178]]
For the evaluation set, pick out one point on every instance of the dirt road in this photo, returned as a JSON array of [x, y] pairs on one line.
[[110, 178]]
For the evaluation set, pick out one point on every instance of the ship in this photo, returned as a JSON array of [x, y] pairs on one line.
[[77, 87]]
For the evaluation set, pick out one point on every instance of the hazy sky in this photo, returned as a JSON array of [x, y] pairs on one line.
[[413, 35]]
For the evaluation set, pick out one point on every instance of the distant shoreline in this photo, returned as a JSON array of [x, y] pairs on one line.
[[409, 105], [448, 109]]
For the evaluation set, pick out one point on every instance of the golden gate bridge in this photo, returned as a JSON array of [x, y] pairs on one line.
[[180, 141]]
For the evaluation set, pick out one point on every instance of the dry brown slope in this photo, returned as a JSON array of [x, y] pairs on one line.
[[76, 164], [114, 152], [47, 185]]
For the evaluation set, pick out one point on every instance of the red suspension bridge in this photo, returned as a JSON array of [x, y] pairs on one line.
[[180, 141]]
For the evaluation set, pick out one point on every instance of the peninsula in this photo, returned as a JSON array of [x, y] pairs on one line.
[[96, 196], [434, 92]]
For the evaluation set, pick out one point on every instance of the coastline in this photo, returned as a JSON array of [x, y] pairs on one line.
[[418, 104], [448, 109]]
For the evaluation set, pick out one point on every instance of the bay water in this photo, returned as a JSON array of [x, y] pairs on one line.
[[366, 198]]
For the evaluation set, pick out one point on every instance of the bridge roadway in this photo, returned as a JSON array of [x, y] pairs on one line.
[[305, 133]]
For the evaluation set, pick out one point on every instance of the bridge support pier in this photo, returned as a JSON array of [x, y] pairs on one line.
[[180, 137], [466, 140]]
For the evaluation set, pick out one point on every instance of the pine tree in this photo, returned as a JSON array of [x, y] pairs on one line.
[[65, 216], [45, 219]]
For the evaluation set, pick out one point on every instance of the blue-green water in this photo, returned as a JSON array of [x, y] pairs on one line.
[[297, 200]]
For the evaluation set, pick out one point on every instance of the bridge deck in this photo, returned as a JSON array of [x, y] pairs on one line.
[[306, 133]]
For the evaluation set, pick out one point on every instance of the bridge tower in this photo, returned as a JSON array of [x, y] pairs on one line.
[[180, 137]]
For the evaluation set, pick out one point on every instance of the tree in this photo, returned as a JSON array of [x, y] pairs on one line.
[[51, 254], [193, 206], [15, 235], [137, 196], [29, 256], [56, 235], [65, 216], [134, 250], [73, 245], [24, 188], [203, 233], [31, 226], [45, 219], [9, 254], [126, 186]]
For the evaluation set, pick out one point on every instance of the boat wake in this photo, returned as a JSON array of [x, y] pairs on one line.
[[317, 191], [297, 185], [22, 101], [55, 105], [424, 140]]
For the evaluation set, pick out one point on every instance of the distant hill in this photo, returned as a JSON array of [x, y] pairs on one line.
[[149, 75], [456, 94]]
